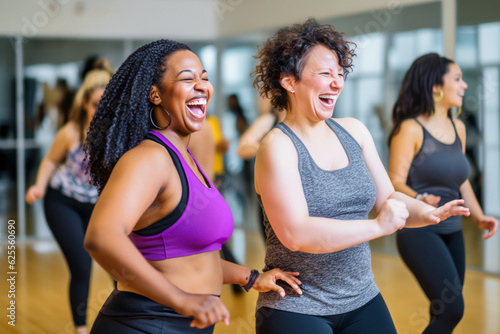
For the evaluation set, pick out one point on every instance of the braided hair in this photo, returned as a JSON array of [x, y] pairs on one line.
[[122, 117]]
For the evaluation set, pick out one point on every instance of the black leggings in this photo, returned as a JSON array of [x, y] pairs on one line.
[[438, 263], [68, 220], [373, 317], [130, 313]]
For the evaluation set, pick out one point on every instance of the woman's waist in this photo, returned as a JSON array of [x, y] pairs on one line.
[[197, 274]]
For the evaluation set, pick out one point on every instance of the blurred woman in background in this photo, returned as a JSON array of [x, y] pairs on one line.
[[68, 195], [428, 162]]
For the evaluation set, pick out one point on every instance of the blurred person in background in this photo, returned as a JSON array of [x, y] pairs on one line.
[[96, 62], [428, 162], [68, 196], [250, 140]]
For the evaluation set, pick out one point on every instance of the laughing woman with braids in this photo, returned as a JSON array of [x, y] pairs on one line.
[[159, 223]]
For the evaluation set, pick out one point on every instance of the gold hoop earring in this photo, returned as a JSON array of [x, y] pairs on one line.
[[459, 111], [441, 95], [153, 123]]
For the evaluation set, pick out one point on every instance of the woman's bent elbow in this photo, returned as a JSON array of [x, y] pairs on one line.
[[291, 244], [90, 243]]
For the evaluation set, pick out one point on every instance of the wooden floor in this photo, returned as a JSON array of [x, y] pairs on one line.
[[42, 303]]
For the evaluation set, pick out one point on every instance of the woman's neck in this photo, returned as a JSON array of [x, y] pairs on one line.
[[181, 142], [302, 125], [440, 113]]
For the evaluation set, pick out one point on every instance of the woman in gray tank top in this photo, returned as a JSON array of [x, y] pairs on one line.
[[428, 162], [317, 179]]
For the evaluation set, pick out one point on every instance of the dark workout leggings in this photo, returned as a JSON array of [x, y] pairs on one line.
[[68, 220], [374, 317], [438, 263], [129, 313]]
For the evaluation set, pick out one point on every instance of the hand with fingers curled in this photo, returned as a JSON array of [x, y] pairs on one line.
[[452, 208], [207, 310], [489, 224], [267, 281], [431, 199], [392, 216], [34, 193]]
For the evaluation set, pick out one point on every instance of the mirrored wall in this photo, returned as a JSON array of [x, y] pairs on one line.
[[387, 43]]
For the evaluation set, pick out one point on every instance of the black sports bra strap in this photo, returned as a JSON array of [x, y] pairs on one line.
[[173, 216]]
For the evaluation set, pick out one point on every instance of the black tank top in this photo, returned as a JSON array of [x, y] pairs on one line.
[[440, 169]]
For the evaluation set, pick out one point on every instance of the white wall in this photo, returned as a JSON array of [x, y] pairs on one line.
[[130, 19], [186, 20], [243, 16]]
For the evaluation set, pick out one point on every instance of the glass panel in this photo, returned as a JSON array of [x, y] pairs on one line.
[[8, 199], [346, 104], [489, 46], [491, 131], [466, 54], [407, 46], [373, 98], [370, 56], [237, 65], [208, 57]]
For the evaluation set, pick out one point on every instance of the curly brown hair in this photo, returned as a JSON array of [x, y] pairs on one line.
[[287, 51]]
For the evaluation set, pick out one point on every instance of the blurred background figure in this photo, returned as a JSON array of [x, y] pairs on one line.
[[250, 141], [66, 96], [68, 196], [428, 162], [234, 124], [96, 62], [237, 173], [221, 146]]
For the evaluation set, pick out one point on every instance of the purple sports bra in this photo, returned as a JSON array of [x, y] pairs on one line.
[[201, 222]]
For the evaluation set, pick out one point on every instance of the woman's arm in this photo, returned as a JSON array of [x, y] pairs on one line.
[[477, 214], [278, 182], [482, 221], [236, 274], [251, 138], [404, 147], [65, 138], [420, 213], [137, 179]]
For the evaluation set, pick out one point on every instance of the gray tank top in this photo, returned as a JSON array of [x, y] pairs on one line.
[[332, 283], [440, 169]]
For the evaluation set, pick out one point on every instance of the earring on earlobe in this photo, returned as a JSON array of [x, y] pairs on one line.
[[153, 123], [292, 91], [441, 95]]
